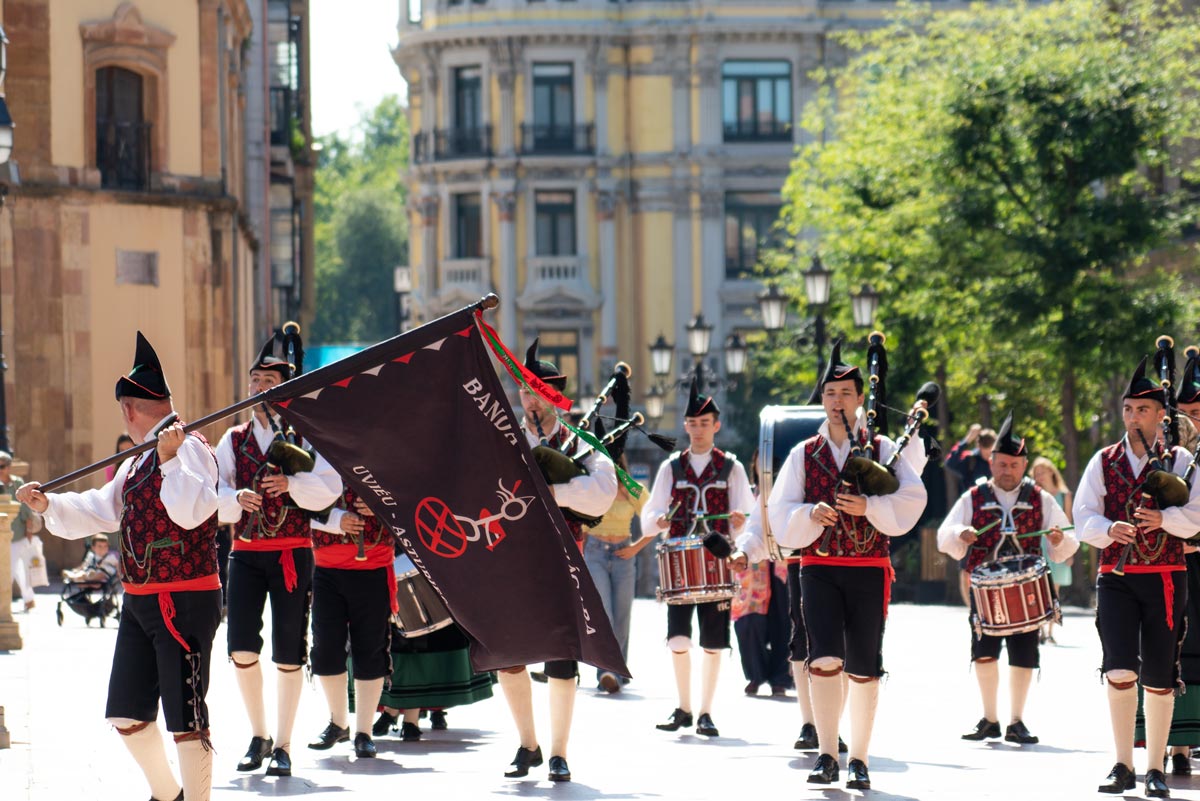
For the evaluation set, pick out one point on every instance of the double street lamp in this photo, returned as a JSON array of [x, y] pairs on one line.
[[699, 339]]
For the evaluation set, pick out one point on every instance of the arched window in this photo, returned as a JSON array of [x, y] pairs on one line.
[[122, 133]]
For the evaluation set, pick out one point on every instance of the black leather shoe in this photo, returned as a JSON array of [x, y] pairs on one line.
[[842, 748], [825, 771], [559, 772], [1181, 765], [1018, 733], [679, 719], [177, 798], [385, 723], [523, 761], [807, 741], [260, 749], [281, 763], [857, 777], [1119, 779], [409, 732], [705, 726], [984, 729], [330, 737], [1156, 785], [437, 720], [364, 746]]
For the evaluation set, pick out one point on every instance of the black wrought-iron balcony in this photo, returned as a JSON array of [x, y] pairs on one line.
[[123, 154], [539, 139], [463, 143], [758, 131]]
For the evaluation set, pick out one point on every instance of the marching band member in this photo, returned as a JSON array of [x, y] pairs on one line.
[[702, 480], [1025, 509], [846, 589], [164, 503], [591, 493], [271, 558], [1139, 609], [352, 597]]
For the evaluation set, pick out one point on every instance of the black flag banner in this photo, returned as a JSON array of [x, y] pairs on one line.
[[419, 426]]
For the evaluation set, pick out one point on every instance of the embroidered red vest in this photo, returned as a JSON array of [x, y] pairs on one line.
[[985, 510], [374, 532], [1123, 494], [712, 485], [853, 537], [280, 517], [556, 441], [153, 547]]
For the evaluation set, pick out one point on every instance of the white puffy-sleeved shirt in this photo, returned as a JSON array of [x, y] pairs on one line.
[[741, 496], [1091, 526], [751, 541], [959, 520], [189, 493], [591, 494], [894, 515], [314, 490]]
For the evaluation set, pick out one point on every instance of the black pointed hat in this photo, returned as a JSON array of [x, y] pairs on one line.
[[547, 371], [267, 360], [146, 379], [837, 370], [1007, 442], [1142, 387], [699, 403], [1189, 385]]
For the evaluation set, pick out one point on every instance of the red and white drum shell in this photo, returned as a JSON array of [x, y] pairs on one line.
[[1012, 596], [688, 573]]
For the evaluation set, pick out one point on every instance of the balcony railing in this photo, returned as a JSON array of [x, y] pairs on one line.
[[453, 143], [758, 131], [538, 139], [469, 275], [123, 154]]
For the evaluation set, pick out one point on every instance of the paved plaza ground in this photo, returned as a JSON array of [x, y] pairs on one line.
[[54, 690]]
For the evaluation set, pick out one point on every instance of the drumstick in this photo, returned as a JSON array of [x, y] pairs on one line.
[[1043, 531], [724, 516], [986, 529]]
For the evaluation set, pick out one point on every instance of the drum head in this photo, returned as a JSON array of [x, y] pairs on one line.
[[781, 428]]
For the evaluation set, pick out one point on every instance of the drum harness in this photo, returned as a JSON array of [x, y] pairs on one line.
[[1008, 527], [700, 505]]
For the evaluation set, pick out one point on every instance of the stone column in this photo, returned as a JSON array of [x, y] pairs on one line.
[[506, 207], [606, 206], [712, 259], [427, 207], [708, 71], [598, 66], [505, 60], [10, 632]]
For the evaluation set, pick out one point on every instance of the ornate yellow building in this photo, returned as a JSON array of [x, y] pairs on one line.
[[611, 169]]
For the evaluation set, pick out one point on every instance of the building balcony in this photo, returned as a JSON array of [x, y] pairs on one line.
[[469, 276], [751, 131], [123, 154], [561, 281], [558, 140], [445, 144]]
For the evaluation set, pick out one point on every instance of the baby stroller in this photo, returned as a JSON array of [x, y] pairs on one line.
[[91, 599]]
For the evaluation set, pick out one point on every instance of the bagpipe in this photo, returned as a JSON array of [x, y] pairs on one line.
[[861, 470]]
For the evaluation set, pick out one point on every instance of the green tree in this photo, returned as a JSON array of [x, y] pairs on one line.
[[360, 228], [1011, 178]]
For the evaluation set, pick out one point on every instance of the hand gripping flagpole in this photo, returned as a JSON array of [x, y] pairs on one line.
[[486, 303]]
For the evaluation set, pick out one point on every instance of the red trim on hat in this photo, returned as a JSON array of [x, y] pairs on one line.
[[145, 389]]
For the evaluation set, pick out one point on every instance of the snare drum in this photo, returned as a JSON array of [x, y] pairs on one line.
[[688, 573], [780, 428], [421, 610], [1012, 596]]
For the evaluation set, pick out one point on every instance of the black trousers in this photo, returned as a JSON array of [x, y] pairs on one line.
[[714, 619], [150, 665], [255, 576], [844, 614], [798, 645], [1132, 618], [351, 604], [1023, 649]]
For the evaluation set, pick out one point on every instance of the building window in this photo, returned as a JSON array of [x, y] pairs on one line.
[[750, 228], [466, 136], [553, 106], [468, 226], [757, 101], [414, 11], [562, 348], [122, 133], [555, 223]]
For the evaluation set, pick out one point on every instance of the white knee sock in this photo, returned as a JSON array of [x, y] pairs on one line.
[[803, 692], [146, 748], [827, 709], [562, 707], [710, 671], [864, 698], [1122, 707], [291, 684], [195, 768], [988, 675], [518, 691], [366, 699], [1019, 681], [1159, 709], [682, 662], [335, 691], [250, 685]]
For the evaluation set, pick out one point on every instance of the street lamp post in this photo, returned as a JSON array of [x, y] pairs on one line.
[[817, 283]]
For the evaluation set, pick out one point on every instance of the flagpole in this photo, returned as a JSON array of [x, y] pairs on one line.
[[487, 302]]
